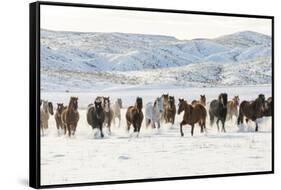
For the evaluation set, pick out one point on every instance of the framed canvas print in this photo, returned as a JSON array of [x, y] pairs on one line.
[[126, 94]]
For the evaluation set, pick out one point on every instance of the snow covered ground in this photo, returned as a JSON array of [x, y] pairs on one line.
[[156, 152]]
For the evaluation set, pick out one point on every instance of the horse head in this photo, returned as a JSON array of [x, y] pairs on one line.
[[223, 99], [45, 106], [50, 108], [106, 103], [182, 104], [260, 103], [171, 102], [98, 105], [236, 100], [60, 107], [158, 104], [119, 102], [139, 103], [73, 103], [203, 99]]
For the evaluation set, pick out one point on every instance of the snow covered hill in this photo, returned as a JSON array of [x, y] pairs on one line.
[[77, 59]]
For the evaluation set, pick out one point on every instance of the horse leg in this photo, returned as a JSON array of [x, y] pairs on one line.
[[201, 126], [74, 128], [119, 121], [113, 120], [212, 118], [58, 127], [240, 118], [101, 132], [218, 125], [68, 129], [153, 124], [109, 126], [158, 124], [192, 129], [128, 126], [223, 128], [181, 124], [257, 127]]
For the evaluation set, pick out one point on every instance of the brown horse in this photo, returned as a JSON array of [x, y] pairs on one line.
[[252, 110], [134, 115], [58, 117], [164, 98], [170, 110], [108, 113], [201, 101], [192, 115], [232, 107], [70, 116]]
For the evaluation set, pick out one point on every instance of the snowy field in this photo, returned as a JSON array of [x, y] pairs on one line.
[[156, 152]]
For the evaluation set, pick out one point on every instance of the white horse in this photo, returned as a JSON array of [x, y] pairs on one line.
[[45, 110], [153, 112], [117, 111]]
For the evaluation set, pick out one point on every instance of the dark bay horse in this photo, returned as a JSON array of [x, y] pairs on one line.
[[58, 117], [134, 115], [218, 109], [96, 116], [70, 116], [170, 110], [192, 115], [252, 110]]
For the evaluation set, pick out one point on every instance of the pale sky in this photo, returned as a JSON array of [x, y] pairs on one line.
[[181, 26]]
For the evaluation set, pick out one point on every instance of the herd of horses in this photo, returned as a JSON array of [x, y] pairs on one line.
[[102, 113]]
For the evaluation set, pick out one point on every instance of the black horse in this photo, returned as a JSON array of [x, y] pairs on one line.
[[96, 116], [252, 110], [218, 109]]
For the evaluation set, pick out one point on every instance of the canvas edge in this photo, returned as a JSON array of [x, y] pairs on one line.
[[34, 100], [34, 96]]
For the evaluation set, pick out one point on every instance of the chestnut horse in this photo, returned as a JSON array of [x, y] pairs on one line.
[[192, 115], [164, 98], [232, 107], [201, 101], [70, 116], [170, 110], [134, 115], [252, 110]]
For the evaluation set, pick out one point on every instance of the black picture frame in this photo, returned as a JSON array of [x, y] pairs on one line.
[[34, 93]]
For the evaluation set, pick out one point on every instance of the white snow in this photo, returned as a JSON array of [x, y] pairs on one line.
[[155, 153]]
